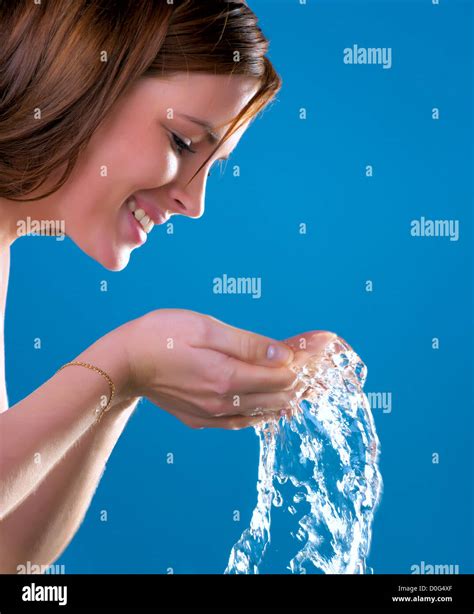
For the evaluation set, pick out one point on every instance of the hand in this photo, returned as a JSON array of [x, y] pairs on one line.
[[305, 346], [309, 344], [205, 372]]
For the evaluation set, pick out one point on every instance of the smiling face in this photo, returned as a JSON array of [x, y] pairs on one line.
[[139, 151]]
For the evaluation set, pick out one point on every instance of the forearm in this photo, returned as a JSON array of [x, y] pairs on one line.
[[36, 433], [42, 526]]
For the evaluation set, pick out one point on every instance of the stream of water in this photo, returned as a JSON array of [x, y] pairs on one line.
[[318, 477]]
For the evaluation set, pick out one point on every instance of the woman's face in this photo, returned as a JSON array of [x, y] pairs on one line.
[[139, 151]]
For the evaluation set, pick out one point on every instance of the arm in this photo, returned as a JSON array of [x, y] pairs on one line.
[[42, 526], [196, 379], [53, 453]]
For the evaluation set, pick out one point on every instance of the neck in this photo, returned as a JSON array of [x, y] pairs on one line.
[[8, 224], [13, 214]]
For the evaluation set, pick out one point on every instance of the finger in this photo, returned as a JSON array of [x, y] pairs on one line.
[[233, 422], [247, 379], [311, 342], [246, 346], [249, 404]]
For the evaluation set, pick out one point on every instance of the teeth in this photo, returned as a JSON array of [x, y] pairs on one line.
[[146, 223], [149, 227], [139, 214]]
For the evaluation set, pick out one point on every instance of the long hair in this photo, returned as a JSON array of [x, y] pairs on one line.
[[64, 64]]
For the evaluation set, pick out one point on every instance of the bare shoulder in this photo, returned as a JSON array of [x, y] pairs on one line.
[[4, 274]]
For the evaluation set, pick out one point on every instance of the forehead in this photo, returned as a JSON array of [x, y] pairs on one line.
[[213, 98]]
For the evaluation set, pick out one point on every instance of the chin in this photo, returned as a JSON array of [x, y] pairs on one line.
[[114, 259], [117, 264], [110, 248], [111, 257]]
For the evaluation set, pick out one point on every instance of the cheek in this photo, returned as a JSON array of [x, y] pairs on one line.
[[106, 176], [144, 163]]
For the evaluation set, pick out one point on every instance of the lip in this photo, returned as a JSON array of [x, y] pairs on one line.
[[135, 233], [156, 215]]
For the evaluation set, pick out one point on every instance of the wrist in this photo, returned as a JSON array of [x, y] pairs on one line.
[[109, 354]]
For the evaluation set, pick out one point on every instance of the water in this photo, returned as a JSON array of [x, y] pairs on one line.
[[318, 477]]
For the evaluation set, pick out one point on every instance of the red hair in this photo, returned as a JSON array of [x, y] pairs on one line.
[[56, 88]]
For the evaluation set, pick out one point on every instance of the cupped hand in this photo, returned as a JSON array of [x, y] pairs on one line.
[[205, 372]]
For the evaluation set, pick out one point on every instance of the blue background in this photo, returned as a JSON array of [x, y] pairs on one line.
[[294, 171]]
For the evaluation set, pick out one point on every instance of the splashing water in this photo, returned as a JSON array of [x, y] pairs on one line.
[[319, 471]]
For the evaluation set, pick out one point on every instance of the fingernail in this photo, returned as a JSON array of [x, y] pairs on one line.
[[278, 352]]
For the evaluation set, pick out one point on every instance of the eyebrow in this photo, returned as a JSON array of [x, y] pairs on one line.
[[212, 137]]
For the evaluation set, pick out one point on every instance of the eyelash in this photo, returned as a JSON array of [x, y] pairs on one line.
[[180, 146]]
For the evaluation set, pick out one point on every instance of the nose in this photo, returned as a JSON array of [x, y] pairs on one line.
[[190, 198]]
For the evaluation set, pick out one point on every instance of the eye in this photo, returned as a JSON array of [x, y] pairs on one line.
[[180, 146]]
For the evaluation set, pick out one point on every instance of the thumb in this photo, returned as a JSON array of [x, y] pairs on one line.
[[248, 347]]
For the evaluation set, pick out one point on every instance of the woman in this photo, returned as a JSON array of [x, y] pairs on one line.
[[111, 116]]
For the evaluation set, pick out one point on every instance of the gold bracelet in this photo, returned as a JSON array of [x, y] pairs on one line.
[[98, 411]]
